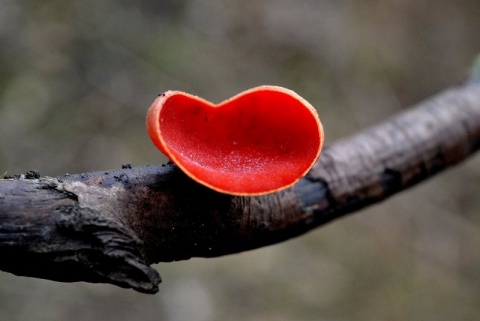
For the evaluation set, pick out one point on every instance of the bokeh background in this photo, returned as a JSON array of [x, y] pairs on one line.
[[76, 79]]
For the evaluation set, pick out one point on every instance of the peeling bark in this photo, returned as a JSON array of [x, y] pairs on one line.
[[109, 226]]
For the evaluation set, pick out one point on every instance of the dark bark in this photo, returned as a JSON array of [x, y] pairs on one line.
[[109, 226]]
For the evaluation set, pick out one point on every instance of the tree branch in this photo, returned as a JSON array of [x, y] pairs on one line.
[[109, 226]]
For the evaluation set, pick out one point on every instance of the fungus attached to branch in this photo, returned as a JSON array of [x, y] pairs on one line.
[[257, 142]]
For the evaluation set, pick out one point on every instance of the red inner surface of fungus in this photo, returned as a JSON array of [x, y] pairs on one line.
[[250, 144]]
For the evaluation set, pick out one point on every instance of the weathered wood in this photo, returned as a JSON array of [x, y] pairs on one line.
[[46, 232], [109, 226]]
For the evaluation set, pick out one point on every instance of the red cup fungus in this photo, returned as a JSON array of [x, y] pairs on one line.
[[260, 141]]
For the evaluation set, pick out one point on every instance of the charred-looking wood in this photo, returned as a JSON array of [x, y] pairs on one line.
[[110, 226]]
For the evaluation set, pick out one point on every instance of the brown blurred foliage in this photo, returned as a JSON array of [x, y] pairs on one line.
[[76, 78]]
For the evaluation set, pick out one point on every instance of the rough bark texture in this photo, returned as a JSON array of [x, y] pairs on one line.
[[109, 226]]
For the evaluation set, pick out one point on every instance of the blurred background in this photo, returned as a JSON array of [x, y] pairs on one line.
[[76, 79]]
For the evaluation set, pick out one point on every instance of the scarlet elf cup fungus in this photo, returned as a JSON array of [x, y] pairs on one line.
[[260, 141]]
